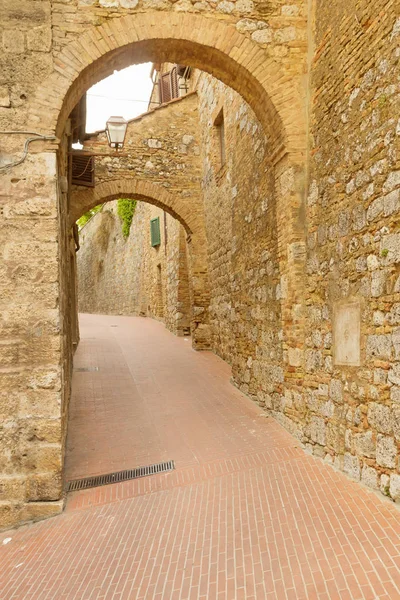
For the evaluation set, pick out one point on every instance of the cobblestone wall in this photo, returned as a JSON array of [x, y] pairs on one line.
[[239, 199], [351, 412]]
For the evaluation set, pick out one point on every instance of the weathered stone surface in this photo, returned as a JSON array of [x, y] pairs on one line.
[[386, 451], [380, 417], [379, 346], [39, 39], [318, 431], [394, 487], [369, 477], [351, 466], [365, 444], [5, 100]]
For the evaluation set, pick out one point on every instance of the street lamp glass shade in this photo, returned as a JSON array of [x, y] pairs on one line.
[[116, 131]]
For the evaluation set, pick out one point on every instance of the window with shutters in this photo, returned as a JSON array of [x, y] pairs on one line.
[[155, 234], [168, 86], [82, 169]]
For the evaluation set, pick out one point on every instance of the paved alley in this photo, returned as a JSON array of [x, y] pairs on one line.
[[245, 515]]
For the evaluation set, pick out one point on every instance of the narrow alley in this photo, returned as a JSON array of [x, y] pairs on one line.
[[246, 514]]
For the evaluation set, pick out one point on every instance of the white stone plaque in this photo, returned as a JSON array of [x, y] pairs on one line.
[[347, 334]]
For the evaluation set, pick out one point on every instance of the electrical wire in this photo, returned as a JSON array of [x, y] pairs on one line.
[[39, 137], [112, 98]]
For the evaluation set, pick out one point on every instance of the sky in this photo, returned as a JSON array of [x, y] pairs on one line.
[[126, 94]]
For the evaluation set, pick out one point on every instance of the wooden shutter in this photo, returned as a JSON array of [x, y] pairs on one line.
[[174, 83], [155, 232], [165, 87], [83, 170]]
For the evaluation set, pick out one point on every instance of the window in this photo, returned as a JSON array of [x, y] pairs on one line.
[[220, 138], [155, 232], [168, 86], [82, 168]]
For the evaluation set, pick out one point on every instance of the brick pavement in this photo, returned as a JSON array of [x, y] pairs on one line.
[[245, 515]]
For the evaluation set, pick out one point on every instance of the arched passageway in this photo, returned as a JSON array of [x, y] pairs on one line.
[[219, 49], [214, 47], [191, 219], [83, 200]]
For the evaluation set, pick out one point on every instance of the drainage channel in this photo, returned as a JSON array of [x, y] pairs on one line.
[[119, 476]]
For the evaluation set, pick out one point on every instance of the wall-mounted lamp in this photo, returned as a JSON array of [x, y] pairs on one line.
[[116, 131]]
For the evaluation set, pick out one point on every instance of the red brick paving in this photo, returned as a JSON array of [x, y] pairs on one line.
[[245, 515]]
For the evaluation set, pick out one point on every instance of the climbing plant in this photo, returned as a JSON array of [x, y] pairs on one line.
[[88, 215], [126, 210]]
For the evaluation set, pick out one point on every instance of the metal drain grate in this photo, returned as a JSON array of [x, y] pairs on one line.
[[90, 482], [86, 369]]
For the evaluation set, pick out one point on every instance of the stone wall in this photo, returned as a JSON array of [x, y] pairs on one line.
[[350, 411], [240, 212], [109, 264], [127, 276]]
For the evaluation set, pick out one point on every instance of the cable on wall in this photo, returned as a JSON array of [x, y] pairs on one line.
[[38, 137]]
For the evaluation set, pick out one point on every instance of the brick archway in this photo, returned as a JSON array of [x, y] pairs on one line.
[[84, 200], [202, 42], [190, 218]]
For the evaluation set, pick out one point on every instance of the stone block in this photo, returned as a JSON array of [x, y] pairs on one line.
[[12, 488], [318, 430], [44, 430], [336, 390], [396, 421], [392, 181], [39, 39], [384, 484], [5, 101], [394, 487], [378, 281], [333, 436], [380, 417], [262, 36], [43, 458], [10, 514], [351, 466], [379, 346], [13, 41], [390, 248], [391, 203], [365, 444], [44, 487], [369, 477], [386, 451], [35, 511]]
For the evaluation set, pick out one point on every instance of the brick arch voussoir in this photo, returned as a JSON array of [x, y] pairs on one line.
[[200, 41], [84, 200]]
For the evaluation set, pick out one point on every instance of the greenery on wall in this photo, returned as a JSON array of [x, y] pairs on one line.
[[87, 216], [126, 210]]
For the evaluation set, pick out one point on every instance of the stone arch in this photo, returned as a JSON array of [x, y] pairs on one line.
[[199, 41], [84, 200], [189, 217]]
